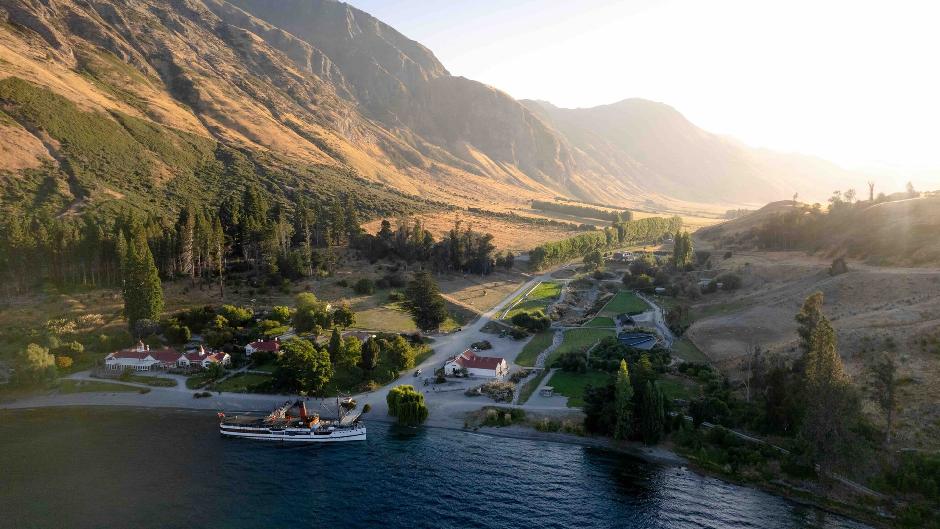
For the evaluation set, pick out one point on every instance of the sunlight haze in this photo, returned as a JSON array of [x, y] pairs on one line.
[[853, 82]]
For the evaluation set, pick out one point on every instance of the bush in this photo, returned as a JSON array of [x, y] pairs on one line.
[[364, 287], [483, 345], [343, 283], [177, 334], [518, 376], [63, 362], [498, 390], [730, 281], [201, 394], [838, 267], [396, 296], [573, 362], [502, 416], [534, 321]]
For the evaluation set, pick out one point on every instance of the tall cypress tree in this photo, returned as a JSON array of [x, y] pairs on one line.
[[335, 347], [624, 402], [653, 414]]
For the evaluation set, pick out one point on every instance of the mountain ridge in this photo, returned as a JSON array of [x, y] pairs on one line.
[[321, 82]]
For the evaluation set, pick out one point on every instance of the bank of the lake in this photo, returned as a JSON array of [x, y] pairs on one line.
[[103, 467]]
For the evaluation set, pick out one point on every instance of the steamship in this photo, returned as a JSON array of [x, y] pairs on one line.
[[291, 422]]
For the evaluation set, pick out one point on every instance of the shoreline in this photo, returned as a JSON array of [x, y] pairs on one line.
[[656, 455]]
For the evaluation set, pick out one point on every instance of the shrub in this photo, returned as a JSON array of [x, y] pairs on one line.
[[396, 296], [730, 281], [498, 390], [838, 267], [534, 321], [364, 287], [483, 345], [63, 362], [519, 376]]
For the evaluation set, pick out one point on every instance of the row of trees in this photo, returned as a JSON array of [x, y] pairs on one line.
[[583, 211], [460, 250], [195, 243], [621, 233]]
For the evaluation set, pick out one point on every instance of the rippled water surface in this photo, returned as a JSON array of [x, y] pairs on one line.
[[121, 468]]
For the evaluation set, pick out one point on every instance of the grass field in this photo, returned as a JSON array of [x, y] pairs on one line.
[[601, 321], [678, 388], [578, 340], [536, 345], [94, 386], [157, 382], [241, 383], [539, 298], [572, 385], [624, 302], [686, 350]]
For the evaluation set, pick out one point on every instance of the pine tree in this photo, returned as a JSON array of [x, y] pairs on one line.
[[624, 402], [424, 301], [143, 292], [808, 319]]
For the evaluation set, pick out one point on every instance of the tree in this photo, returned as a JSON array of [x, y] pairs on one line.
[[399, 352], [34, 365], [343, 316], [624, 402], [871, 191], [310, 315], [424, 301], [594, 260], [303, 367], [883, 387], [407, 404], [281, 314], [652, 413], [370, 354], [352, 351], [808, 318], [63, 362], [143, 292], [683, 251], [335, 347]]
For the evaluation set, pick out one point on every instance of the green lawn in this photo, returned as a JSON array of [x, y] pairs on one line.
[[578, 340], [94, 386], [529, 388], [572, 385], [241, 383], [687, 351], [267, 368], [601, 321], [157, 382], [624, 302], [536, 345], [539, 298], [197, 381], [678, 388]]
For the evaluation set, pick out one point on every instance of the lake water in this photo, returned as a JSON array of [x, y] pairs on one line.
[[103, 468]]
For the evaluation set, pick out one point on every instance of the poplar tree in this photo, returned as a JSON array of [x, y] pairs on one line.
[[335, 346], [653, 414], [624, 402]]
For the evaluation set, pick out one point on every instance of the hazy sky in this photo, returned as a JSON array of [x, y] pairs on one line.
[[856, 82]]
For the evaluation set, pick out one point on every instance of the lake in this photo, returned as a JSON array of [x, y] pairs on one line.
[[101, 468]]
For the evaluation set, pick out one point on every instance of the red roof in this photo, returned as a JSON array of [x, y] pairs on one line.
[[470, 360], [271, 346], [197, 357], [166, 355]]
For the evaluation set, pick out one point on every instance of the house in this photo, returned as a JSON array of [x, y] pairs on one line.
[[142, 358], [267, 346], [203, 358], [477, 366]]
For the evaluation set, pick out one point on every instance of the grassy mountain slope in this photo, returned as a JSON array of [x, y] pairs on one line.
[[301, 84]]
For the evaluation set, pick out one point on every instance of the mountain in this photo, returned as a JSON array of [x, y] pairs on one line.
[[146, 101], [652, 146]]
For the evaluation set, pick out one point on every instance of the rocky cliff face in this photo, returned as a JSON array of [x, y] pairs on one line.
[[318, 82]]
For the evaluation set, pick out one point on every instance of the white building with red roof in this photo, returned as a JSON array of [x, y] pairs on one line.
[[477, 366], [142, 358], [267, 346], [203, 358]]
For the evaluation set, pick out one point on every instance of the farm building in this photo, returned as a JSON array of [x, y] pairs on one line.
[[477, 366]]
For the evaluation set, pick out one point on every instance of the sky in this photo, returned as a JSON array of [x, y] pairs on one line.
[[856, 82]]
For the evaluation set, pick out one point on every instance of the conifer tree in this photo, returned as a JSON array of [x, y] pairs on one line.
[[143, 292], [653, 414], [370, 355], [424, 301]]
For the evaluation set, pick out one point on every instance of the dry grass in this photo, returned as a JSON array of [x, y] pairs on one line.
[[870, 308]]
